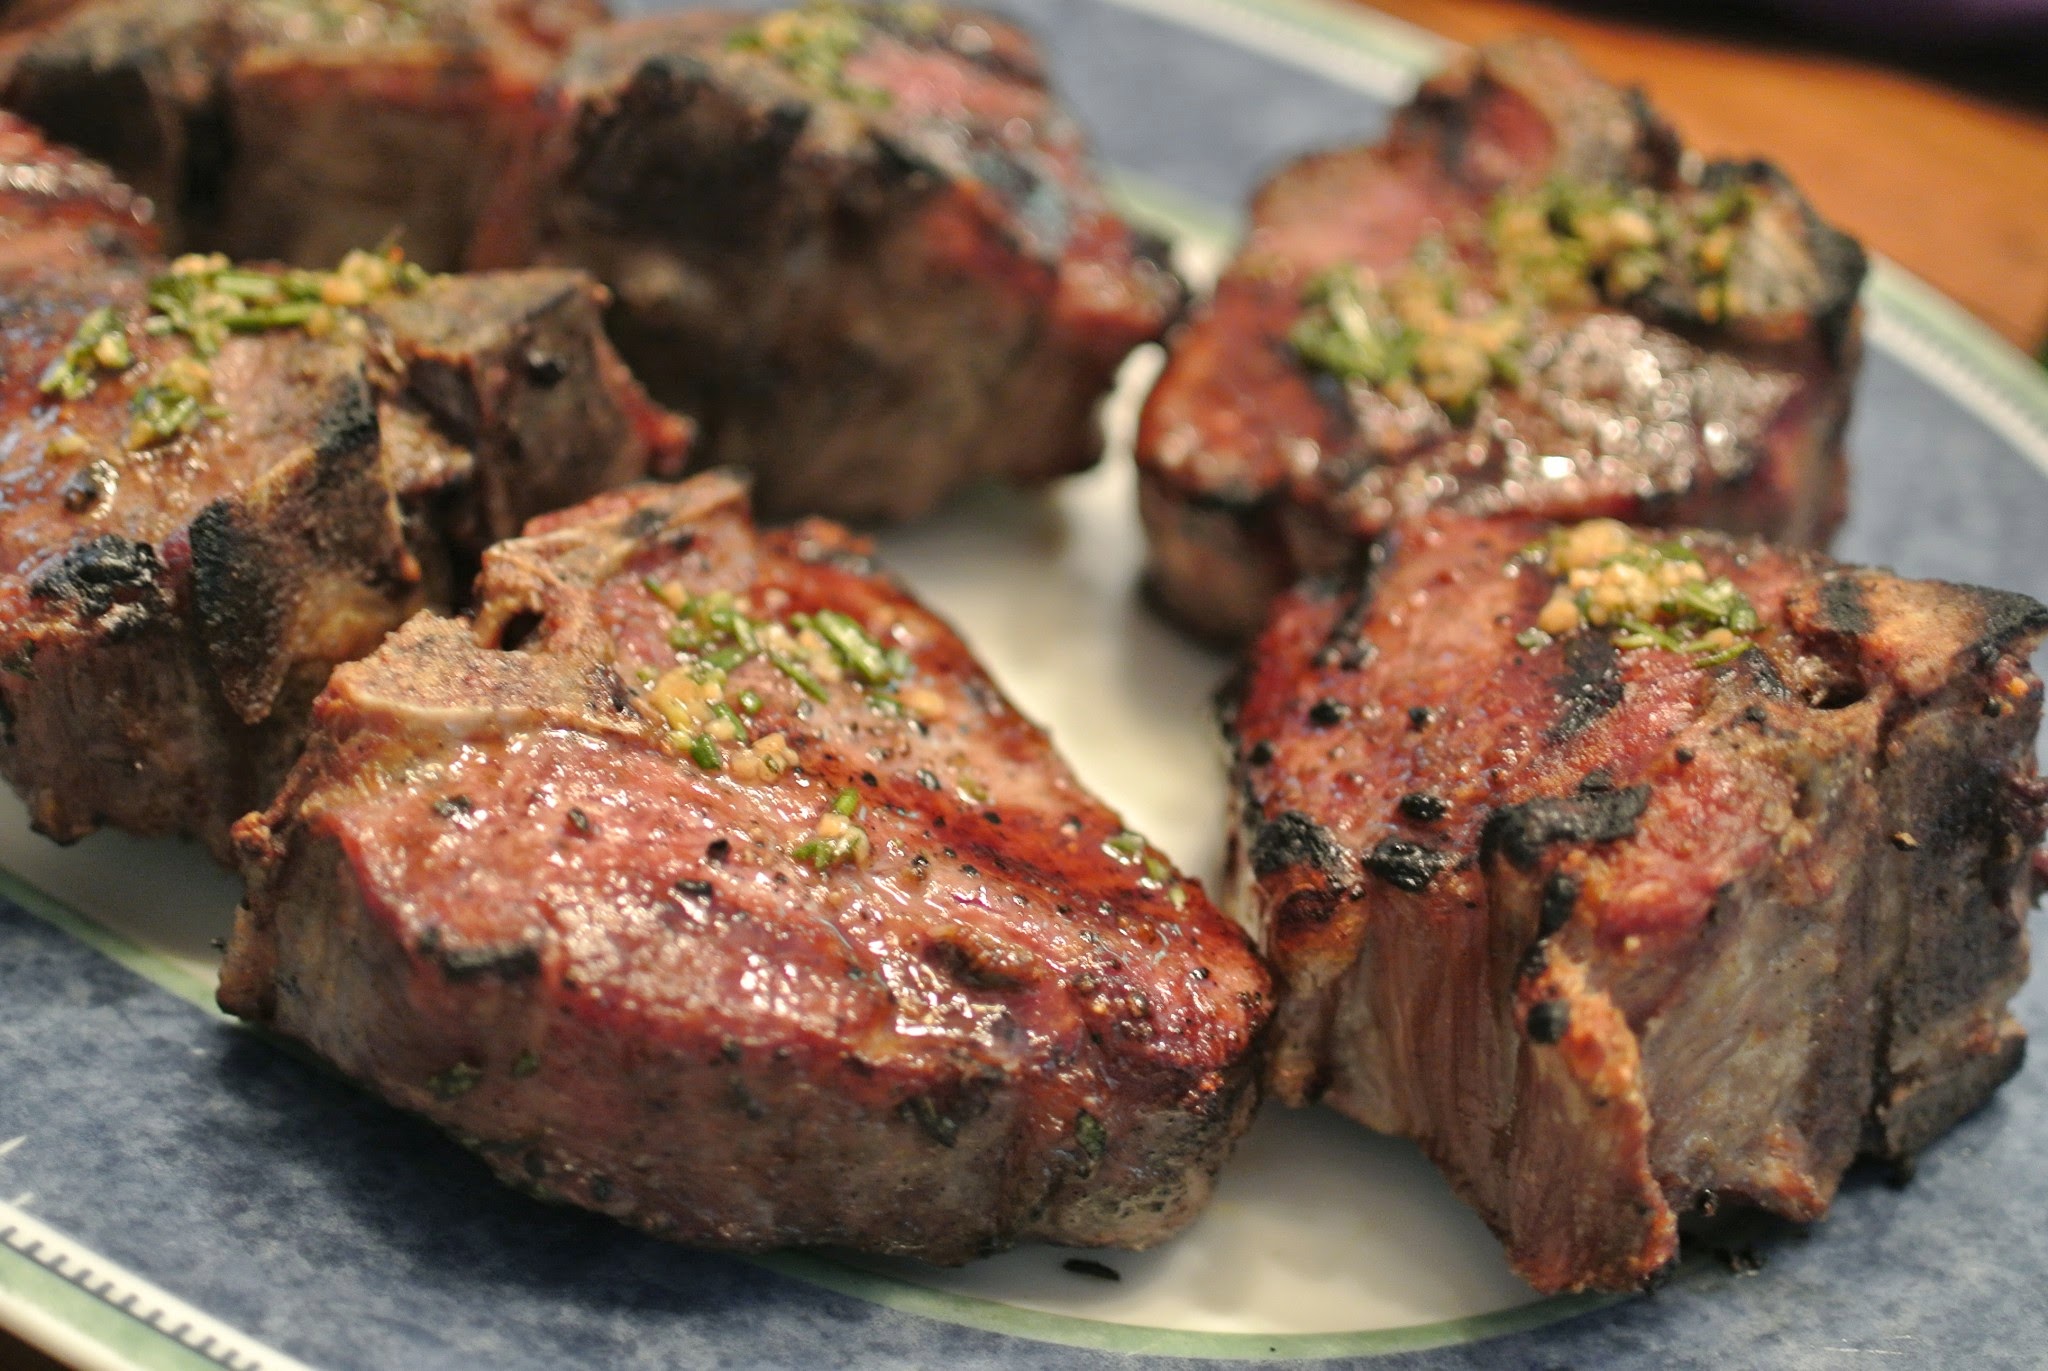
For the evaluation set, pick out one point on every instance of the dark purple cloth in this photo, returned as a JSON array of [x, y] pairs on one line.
[[1938, 21]]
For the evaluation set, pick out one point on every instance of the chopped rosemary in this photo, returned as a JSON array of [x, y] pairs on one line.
[[863, 656], [100, 344], [162, 411], [824, 853], [704, 752]]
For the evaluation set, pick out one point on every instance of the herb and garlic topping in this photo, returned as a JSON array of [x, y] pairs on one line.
[[824, 653], [1649, 594], [206, 299], [1460, 317], [813, 44], [343, 21]]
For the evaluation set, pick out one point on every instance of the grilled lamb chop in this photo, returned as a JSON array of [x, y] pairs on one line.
[[1525, 300], [295, 130], [220, 486], [60, 208], [703, 879], [861, 244], [1690, 909]]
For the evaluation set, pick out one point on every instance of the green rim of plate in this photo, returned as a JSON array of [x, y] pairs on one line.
[[1911, 319]]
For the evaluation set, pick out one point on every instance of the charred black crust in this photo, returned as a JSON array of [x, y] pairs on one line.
[[1521, 832], [1549, 1020], [2007, 615], [1590, 687], [1423, 808], [236, 597], [1842, 609], [1292, 839], [95, 576], [1406, 865], [1560, 898], [1345, 645], [1764, 673], [348, 423], [510, 963]]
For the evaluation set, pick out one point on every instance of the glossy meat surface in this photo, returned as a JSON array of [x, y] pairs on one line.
[[1699, 397], [863, 245], [1617, 936], [504, 891], [188, 542], [295, 130]]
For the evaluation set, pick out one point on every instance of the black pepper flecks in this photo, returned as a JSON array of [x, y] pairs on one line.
[[1261, 753], [1423, 808], [1419, 717], [1328, 713]]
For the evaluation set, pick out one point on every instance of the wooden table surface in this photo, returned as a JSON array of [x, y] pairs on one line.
[[1952, 185]]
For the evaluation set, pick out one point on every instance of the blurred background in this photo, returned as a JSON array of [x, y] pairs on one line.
[[1919, 125]]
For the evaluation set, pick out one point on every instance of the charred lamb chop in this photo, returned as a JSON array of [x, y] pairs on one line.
[[1526, 300], [860, 243], [221, 481], [295, 130], [703, 879], [1634, 878]]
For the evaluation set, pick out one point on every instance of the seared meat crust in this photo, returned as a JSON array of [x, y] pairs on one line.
[[1257, 468], [169, 609], [295, 130], [502, 893], [1616, 937], [871, 284]]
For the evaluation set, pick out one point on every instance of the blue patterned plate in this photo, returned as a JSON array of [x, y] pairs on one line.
[[177, 1193]]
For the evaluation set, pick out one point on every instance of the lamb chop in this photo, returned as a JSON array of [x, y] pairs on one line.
[[704, 879], [223, 480], [1634, 878], [860, 243], [295, 130], [1527, 299], [60, 208]]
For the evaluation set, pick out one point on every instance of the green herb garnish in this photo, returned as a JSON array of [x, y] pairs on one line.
[[100, 344]]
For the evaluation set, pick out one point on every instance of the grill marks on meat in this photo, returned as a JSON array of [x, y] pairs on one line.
[[1257, 468], [296, 129], [167, 614], [538, 922], [1716, 939], [870, 289]]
